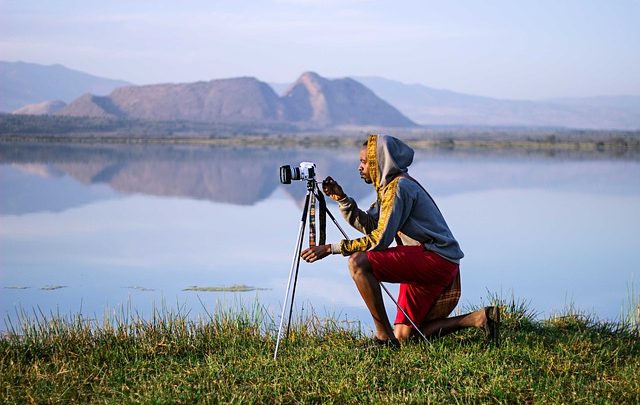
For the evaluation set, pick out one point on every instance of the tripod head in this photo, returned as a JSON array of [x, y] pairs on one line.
[[312, 184]]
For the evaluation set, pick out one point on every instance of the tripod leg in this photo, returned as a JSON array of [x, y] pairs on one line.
[[403, 311], [295, 264], [337, 224], [310, 207]]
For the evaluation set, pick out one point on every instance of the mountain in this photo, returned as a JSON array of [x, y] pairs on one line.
[[312, 101], [43, 108], [89, 105], [238, 99], [27, 83], [228, 100], [429, 106], [323, 102]]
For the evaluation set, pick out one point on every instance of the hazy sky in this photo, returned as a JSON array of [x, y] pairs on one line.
[[508, 49]]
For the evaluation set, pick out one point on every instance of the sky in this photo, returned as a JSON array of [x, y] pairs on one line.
[[522, 49]]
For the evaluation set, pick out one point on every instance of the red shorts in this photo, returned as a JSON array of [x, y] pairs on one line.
[[423, 275]]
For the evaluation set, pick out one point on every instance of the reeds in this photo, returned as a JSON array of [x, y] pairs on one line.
[[225, 355]]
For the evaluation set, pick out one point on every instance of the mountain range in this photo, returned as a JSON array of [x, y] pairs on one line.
[[429, 106], [311, 102]]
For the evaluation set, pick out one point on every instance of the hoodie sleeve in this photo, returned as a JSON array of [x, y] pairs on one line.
[[394, 210], [363, 221]]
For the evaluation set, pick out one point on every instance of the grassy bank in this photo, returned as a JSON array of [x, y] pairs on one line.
[[228, 358]]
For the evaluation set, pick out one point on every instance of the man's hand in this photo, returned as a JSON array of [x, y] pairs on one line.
[[315, 253], [332, 189]]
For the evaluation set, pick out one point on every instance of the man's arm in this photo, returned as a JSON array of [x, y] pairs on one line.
[[364, 222], [394, 210], [350, 212], [395, 207], [314, 253]]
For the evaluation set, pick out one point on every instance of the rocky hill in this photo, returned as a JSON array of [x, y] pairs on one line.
[[231, 100], [312, 101], [92, 106], [43, 108], [322, 102]]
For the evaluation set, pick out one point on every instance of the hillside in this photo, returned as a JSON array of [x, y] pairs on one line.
[[323, 102], [28, 83], [229, 100], [429, 106], [42, 108]]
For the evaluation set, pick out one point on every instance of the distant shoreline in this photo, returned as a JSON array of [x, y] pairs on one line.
[[566, 141], [91, 130]]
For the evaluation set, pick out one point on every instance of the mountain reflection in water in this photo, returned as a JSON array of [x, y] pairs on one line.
[[247, 175], [240, 176]]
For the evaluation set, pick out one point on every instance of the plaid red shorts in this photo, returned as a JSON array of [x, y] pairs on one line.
[[424, 277]]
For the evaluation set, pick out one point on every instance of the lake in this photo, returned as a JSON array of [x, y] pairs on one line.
[[112, 229]]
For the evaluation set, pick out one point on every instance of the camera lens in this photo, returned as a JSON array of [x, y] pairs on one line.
[[295, 173], [285, 174]]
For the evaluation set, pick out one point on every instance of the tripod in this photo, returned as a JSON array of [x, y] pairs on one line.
[[313, 193]]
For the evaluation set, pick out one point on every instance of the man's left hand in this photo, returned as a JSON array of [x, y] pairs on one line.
[[315, 253]]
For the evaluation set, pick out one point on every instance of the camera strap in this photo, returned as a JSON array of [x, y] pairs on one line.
[[322, 203], [312, 219], [322, 218]]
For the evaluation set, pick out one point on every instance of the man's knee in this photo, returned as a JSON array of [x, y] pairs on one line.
[[402, 332], [358, 263]]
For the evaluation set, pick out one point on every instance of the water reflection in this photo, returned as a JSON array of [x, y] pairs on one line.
[[241, 176], [138, 224], [245, 176]]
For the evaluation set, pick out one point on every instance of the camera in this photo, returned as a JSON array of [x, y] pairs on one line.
[[306, 171]]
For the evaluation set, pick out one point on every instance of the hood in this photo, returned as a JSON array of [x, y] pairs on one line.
[[388, 157]]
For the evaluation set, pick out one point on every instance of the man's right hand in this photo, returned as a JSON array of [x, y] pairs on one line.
[[332, 189]]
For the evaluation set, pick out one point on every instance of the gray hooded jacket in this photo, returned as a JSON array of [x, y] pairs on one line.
[[403, 208]]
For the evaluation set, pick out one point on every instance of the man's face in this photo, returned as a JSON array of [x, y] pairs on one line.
[[363, 168]]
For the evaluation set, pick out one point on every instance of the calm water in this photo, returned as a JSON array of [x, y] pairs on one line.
[[99, 229]]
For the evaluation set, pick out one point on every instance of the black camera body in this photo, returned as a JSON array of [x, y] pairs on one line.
[[305, 171]]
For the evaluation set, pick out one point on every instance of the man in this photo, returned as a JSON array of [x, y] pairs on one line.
[[425, 261]]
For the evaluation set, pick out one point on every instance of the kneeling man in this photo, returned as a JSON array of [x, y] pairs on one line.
[[425, 261]]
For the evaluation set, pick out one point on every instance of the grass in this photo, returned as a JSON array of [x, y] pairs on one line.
[[227, 357]]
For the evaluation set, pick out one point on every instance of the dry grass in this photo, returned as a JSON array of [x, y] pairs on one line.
[[227, 357]]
